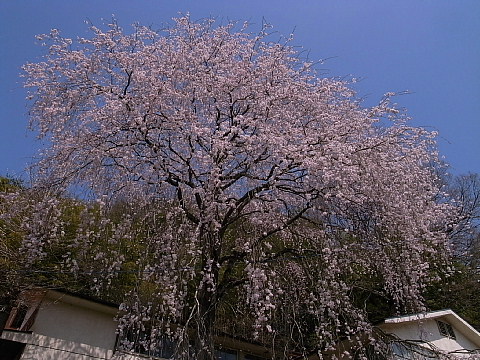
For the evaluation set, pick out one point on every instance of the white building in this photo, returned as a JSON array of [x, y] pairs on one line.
[[441, 335], [440, 332], [54, 325], [48, 324]]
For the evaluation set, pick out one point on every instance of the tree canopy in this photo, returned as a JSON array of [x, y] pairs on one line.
[[250, 187]]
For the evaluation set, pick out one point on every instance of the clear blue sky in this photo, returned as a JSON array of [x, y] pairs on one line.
[[430, 48]]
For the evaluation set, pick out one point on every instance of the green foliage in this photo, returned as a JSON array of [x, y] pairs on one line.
[[8, 184], [459, 292], [10, 241], [54, 268]]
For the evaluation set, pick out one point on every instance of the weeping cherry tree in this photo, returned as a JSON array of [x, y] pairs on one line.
[[256, 194]]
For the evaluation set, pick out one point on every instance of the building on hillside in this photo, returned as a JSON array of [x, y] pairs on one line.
[[47, 324], [440, 335], [432, 335], [57, 325]]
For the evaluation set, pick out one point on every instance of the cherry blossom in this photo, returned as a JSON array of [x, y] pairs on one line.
[[258, 191]]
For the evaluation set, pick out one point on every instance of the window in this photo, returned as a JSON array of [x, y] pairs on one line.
[[225, 354], [230, 354], [11, 350], [141, 343], [446, 329], [20, 314], [400, 351]]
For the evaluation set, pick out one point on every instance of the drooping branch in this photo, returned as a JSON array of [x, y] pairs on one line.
[[239, 168]]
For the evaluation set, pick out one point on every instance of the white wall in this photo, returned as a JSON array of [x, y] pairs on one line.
[[40, 347], [61, 320], [427, 330]]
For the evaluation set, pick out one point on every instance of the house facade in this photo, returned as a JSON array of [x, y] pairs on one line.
[[436, 334], [56, 325], [48, 324]]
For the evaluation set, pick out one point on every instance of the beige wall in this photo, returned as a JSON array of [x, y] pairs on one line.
[[40, 347], [427, 330], [61, 320], [68, 327]]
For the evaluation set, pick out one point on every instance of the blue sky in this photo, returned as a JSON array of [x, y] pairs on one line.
[[430, 48]]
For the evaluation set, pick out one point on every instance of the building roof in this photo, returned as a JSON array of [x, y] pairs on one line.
[[449, 315], [82, 300]]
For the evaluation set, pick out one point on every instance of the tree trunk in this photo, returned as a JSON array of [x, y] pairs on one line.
[[207, 299], [205, 323]]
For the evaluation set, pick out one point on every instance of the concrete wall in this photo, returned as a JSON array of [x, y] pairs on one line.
[[427, 331], [66, 327], [40, 347], [62, 320]]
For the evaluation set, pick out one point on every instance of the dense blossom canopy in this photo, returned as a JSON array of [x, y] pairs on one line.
[[252, 189]]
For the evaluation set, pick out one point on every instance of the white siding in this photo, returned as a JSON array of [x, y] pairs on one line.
[[69, 322], [427, 331], [41, 347]]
